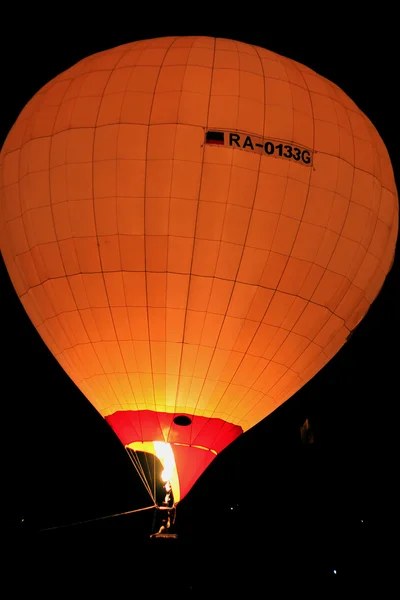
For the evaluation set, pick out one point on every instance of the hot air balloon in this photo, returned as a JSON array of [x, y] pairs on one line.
[[194, 226]]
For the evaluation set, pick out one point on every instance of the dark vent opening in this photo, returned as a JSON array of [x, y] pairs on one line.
[[182, 420]]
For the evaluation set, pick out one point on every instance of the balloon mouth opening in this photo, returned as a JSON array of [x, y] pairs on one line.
[[182, 420]]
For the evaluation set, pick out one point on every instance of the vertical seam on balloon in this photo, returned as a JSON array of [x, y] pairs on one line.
[[309, 301], [222, 324], [322, 349], [333, 88], [287, 180], [22, 276], [111, 390], [54, 225], [371, 128], [167, 269], [30, 249], [144, 220], [234, 281], [166, 437], [2, 151], [348, 205], [249, 388], [118, 241], [216, 263], [58, 245], [351, 191], [145, 271], [94, 218], [213, 278], [331, 211], [194, 243], [142, 45], [127, 401], [277, 285], [300, 221], [87, 382], [130, 46]]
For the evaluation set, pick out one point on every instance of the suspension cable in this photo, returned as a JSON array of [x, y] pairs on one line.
[[129, 512], [140, 471]]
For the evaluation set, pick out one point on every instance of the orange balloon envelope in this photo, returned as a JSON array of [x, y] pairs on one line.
[[194, 226]]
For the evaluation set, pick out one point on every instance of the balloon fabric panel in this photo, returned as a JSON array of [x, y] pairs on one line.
[[194, 226]]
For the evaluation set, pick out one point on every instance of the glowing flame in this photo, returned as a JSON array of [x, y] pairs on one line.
[[165, 454]]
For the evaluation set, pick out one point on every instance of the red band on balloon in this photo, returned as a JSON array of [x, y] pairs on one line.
[[147, 425], [201, 440]]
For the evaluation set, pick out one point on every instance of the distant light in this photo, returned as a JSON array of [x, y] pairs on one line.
[[231, 507], [334, 570], [362, 521]]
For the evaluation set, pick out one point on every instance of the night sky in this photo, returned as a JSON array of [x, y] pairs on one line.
[[270, 511]]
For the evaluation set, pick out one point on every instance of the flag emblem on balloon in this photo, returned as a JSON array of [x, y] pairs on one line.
[[216, 138]]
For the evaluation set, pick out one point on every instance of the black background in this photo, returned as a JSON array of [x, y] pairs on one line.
[[270, 512]]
